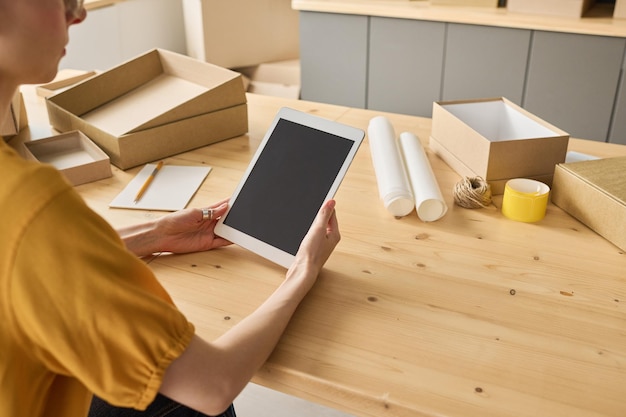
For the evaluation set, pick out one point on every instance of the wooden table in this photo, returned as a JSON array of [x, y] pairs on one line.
[[471, 315]]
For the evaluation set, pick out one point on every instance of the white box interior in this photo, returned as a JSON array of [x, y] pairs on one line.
[[496, 121]]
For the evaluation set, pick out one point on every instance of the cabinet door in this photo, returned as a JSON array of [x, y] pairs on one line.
[[483, 61], [405, 65], [618, 125], [333, 58], [572, 81]]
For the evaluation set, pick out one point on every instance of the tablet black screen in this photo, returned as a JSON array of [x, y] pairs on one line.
[[288, 184]]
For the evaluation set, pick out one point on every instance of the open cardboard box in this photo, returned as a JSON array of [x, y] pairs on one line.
[[566, 8], [620, 9], [594, 192], [465, 3], [241, 33], [497, 140], [72, 153], [62, 82], [16, 119], [153, 106], [278, 79]]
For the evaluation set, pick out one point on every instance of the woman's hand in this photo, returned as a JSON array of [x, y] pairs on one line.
[[318, 243], [188, 230]]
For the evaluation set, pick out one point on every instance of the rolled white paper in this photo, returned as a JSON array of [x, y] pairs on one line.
[[391, 176], [428, 199]]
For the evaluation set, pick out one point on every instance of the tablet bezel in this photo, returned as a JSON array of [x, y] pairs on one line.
[[255, 245]]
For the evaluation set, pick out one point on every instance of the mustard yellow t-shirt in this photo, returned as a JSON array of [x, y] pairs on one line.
[[79, 314]]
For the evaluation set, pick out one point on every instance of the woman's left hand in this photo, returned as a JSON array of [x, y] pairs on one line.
[[192, 230], [184, 231]]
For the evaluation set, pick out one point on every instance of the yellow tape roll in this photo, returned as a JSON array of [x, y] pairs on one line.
[[525, 200]]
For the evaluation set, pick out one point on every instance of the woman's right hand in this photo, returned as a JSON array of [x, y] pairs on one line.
[[318, 243]]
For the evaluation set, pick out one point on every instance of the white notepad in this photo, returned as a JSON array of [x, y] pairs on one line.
[[171, 189]]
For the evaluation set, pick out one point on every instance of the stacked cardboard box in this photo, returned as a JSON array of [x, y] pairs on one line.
[[156, 105]]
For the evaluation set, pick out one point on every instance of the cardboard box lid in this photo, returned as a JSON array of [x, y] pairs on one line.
[[607, 175], [154, 89]]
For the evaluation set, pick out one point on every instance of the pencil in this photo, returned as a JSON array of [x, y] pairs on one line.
[[146, 184]]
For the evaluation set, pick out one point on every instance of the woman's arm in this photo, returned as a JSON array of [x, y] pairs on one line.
[[208, 376]]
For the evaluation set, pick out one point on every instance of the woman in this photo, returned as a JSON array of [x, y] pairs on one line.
[[85, 315]]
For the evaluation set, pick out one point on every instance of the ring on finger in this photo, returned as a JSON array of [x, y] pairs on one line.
[[207, 214]]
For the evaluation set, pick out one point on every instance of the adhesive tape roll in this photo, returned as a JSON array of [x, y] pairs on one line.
[[525, 200]]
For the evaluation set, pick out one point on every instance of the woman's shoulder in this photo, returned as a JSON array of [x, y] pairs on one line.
[[27, 184]]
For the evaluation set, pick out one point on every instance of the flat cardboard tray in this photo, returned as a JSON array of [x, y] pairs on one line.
[[72, 153]]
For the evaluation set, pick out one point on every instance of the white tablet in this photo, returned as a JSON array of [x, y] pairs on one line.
[[297, 167]]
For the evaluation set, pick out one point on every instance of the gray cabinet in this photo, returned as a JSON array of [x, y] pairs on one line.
[[484, 61], [333, 58], [572, 81], [405, 65], [402, 65]]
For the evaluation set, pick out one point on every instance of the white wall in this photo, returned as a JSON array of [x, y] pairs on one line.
[[114, 34]]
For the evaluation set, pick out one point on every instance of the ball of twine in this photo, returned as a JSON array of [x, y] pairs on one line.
[[472, 193]]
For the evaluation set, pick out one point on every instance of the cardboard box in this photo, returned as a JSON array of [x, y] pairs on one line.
[[279, 79], [16, 119], [620, 9], [594, 192], [565, 8], [241, 33], [497, 140], [464, 3], [156, 105], [72, 153], [62, 82]]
